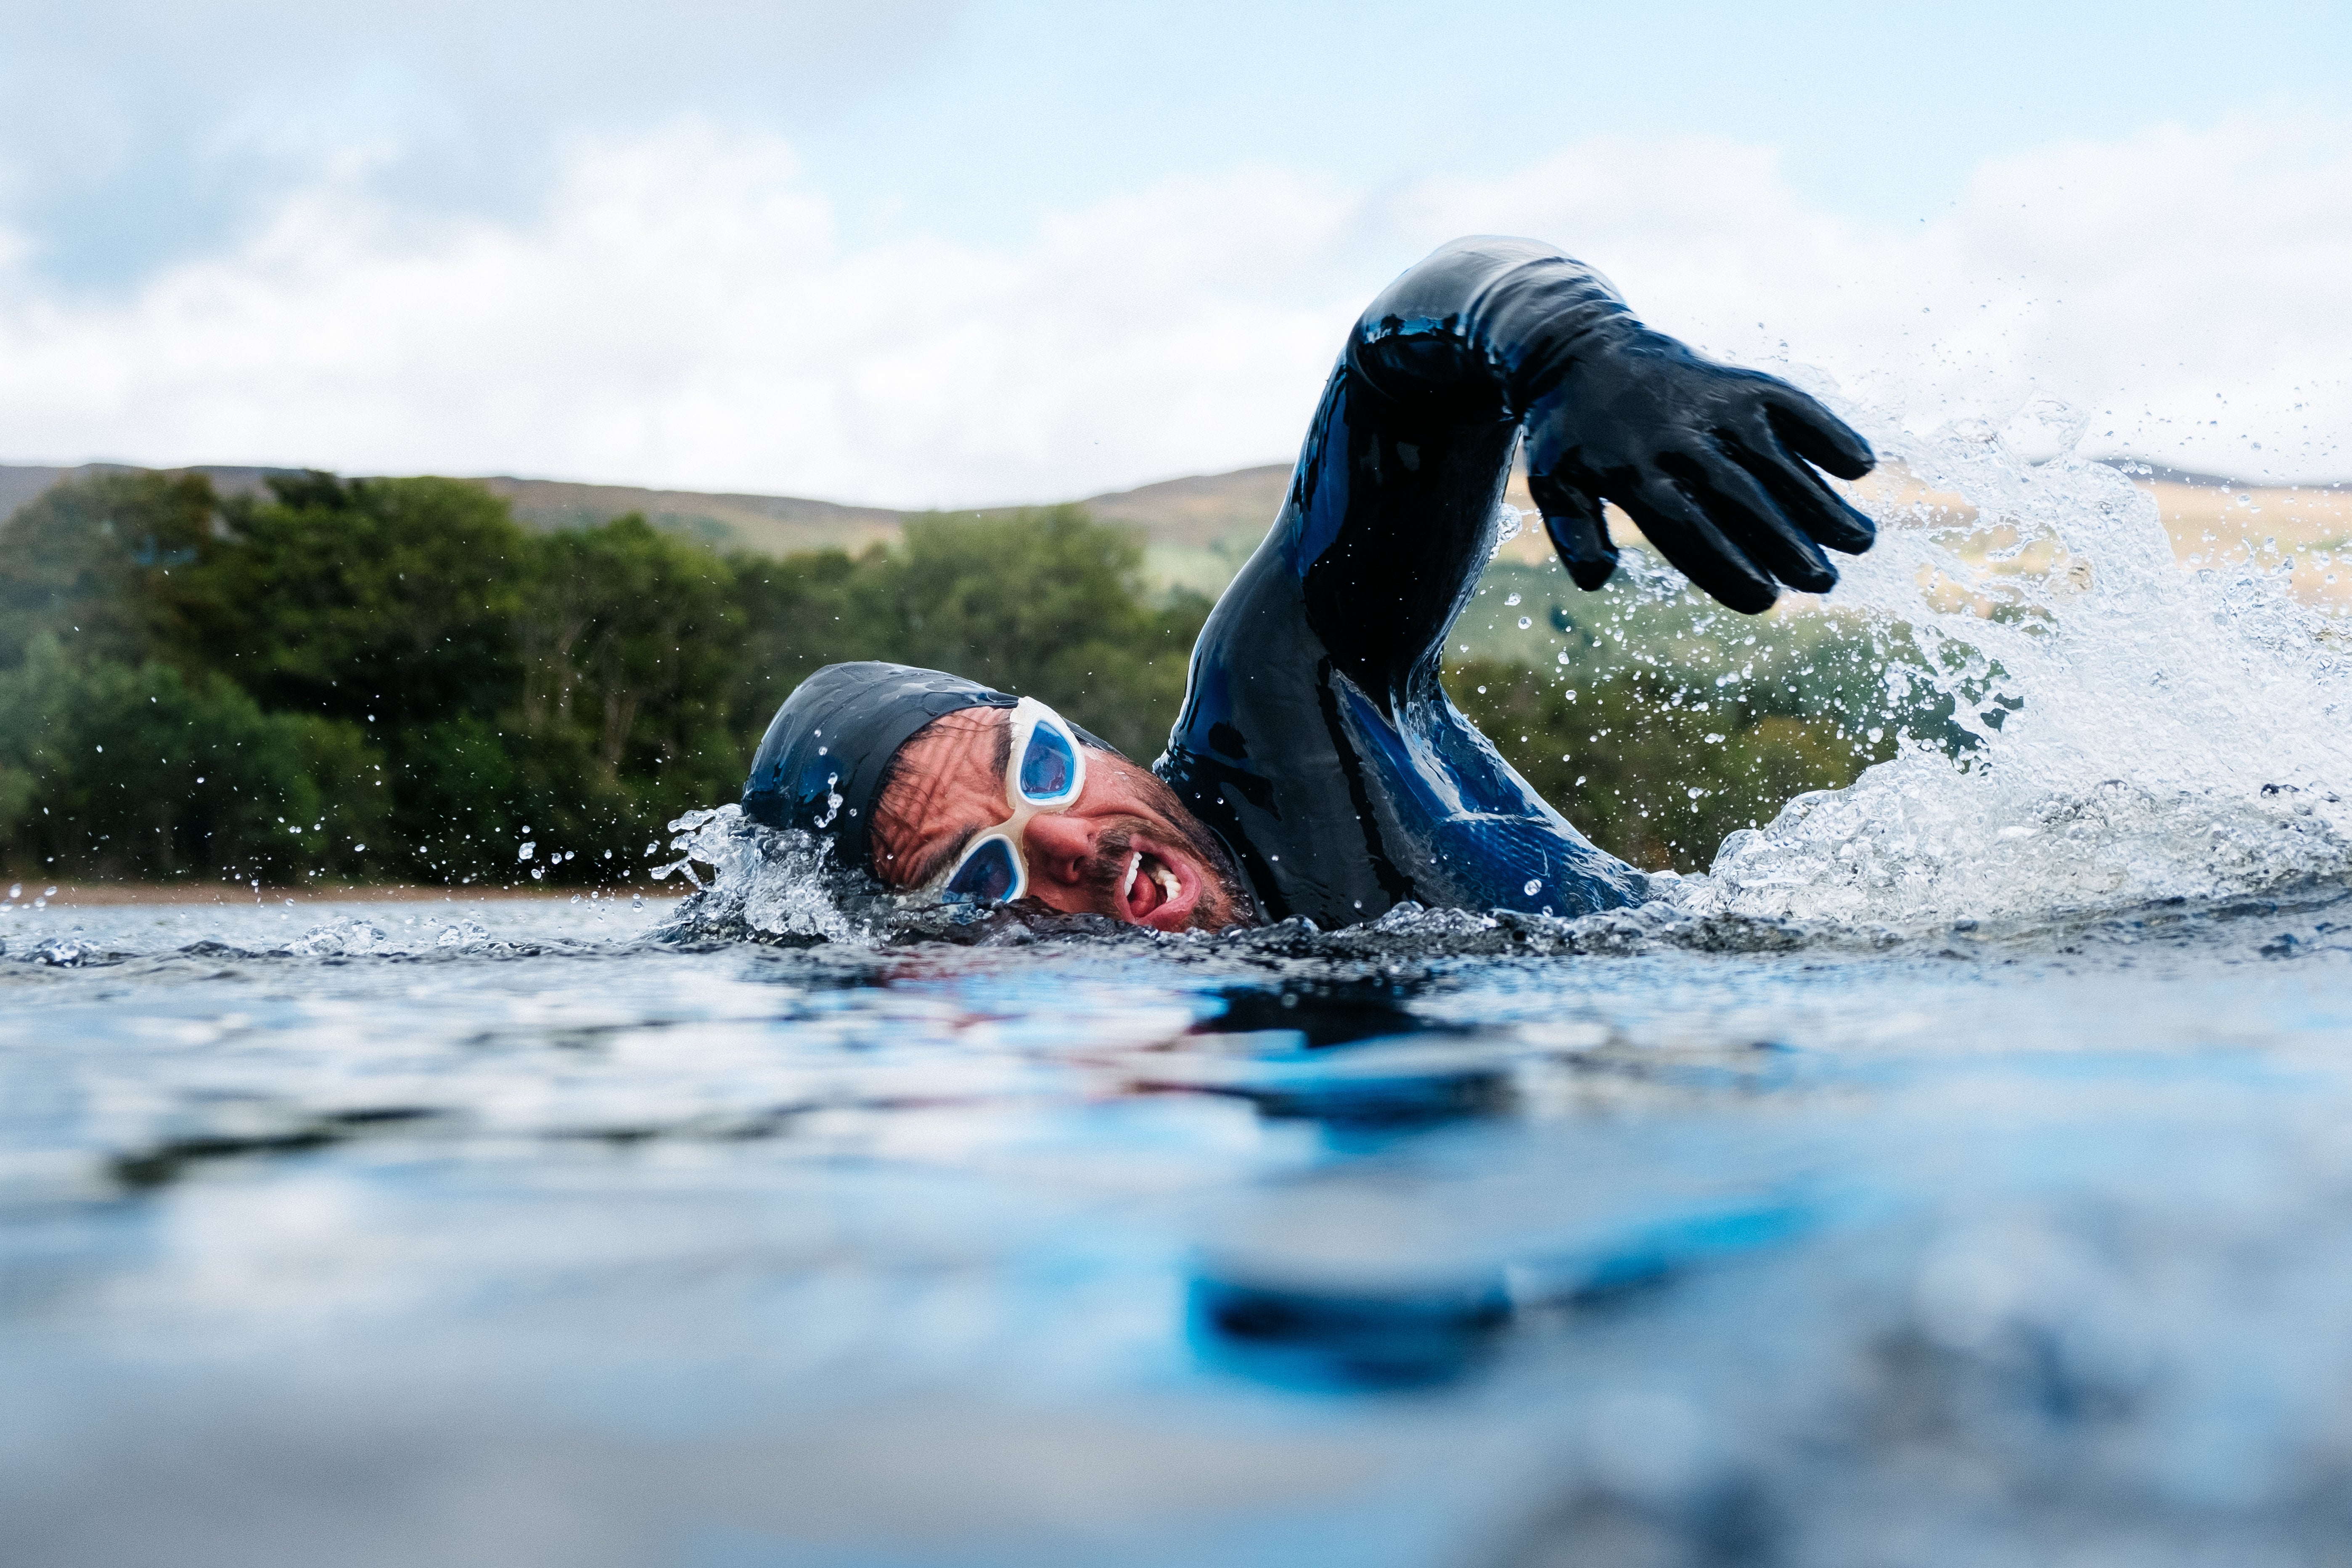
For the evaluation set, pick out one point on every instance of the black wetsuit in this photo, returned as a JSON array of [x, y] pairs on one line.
[[1315, 738]]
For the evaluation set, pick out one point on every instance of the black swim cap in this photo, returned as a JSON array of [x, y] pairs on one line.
[[821, 765]]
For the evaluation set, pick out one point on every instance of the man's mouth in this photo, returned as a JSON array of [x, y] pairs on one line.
[[1156, 891]]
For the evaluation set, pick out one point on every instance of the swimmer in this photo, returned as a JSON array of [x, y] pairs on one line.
[[1317, 768]]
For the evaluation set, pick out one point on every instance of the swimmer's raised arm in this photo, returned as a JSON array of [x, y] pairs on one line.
[[1710, 460], [1316, 739]]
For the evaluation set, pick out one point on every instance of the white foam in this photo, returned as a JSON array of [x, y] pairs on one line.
[[772, 882], [344, 934], [2182, 733]]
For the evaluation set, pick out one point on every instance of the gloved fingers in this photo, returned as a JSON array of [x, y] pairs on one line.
[[1803, 498], [1683, 534], [1821, 512], [1578, 531], [1744, 511], [1816, 434]]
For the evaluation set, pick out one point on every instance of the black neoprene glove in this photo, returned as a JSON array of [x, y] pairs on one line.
[[1710, 461]]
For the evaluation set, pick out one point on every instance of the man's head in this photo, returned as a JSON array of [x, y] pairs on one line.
[[905, 769]]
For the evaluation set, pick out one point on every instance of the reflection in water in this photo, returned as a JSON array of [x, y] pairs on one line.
[[1332, 1013], [1279, 1049]]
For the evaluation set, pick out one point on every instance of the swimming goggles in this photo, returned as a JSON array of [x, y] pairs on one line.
[[1047, 771]]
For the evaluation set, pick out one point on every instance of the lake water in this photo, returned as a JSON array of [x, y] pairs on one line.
[[515, 1233], [1960, 1174]]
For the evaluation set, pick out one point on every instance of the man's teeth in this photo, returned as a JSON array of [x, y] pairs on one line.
[[1168, 885]]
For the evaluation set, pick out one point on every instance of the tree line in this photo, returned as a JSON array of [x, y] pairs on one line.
[[390, 679], [344, 680]]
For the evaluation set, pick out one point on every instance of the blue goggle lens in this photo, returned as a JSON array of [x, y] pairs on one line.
[[1048, 764], [987, 876]]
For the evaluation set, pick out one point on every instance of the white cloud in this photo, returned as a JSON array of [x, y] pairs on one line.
[[2196, 284], [680, 309]]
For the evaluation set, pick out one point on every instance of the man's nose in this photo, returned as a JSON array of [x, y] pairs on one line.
[[1059, 847]]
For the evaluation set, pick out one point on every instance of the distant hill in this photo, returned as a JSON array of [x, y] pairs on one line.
[[1195, 512], [1199, 513], [21, 483], [773, 525]]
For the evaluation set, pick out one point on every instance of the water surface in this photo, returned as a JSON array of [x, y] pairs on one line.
[[521, 1232]]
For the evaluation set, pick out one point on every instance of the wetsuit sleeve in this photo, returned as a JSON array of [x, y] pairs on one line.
[[1316, 738], [1397, 490], [1715, 463]]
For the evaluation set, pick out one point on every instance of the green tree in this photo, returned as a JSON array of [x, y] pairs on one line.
[[114, 566], [115, 770], [633, 637], [1655, 769], [384, 601], [797, 617], [1048, 604]]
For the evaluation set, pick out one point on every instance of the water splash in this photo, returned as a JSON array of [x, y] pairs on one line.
[[462, 934], [2137, 731], [346, 935], [1509, 521], [764, 882]]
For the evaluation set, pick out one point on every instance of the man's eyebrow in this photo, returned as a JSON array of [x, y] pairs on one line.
[[942, 859]]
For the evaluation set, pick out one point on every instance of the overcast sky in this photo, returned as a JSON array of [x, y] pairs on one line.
[[921, 252]]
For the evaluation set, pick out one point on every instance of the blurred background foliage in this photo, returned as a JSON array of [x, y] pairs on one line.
[[389, 679]]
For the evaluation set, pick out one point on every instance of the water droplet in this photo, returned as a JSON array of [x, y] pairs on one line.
[[529, 850], [1533, 887], [1512, 600], [1525, 623]]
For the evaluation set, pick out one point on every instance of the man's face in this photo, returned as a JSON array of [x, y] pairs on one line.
[[1126, 848]]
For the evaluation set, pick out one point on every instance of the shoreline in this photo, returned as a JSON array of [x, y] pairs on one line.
[[91, 895]]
